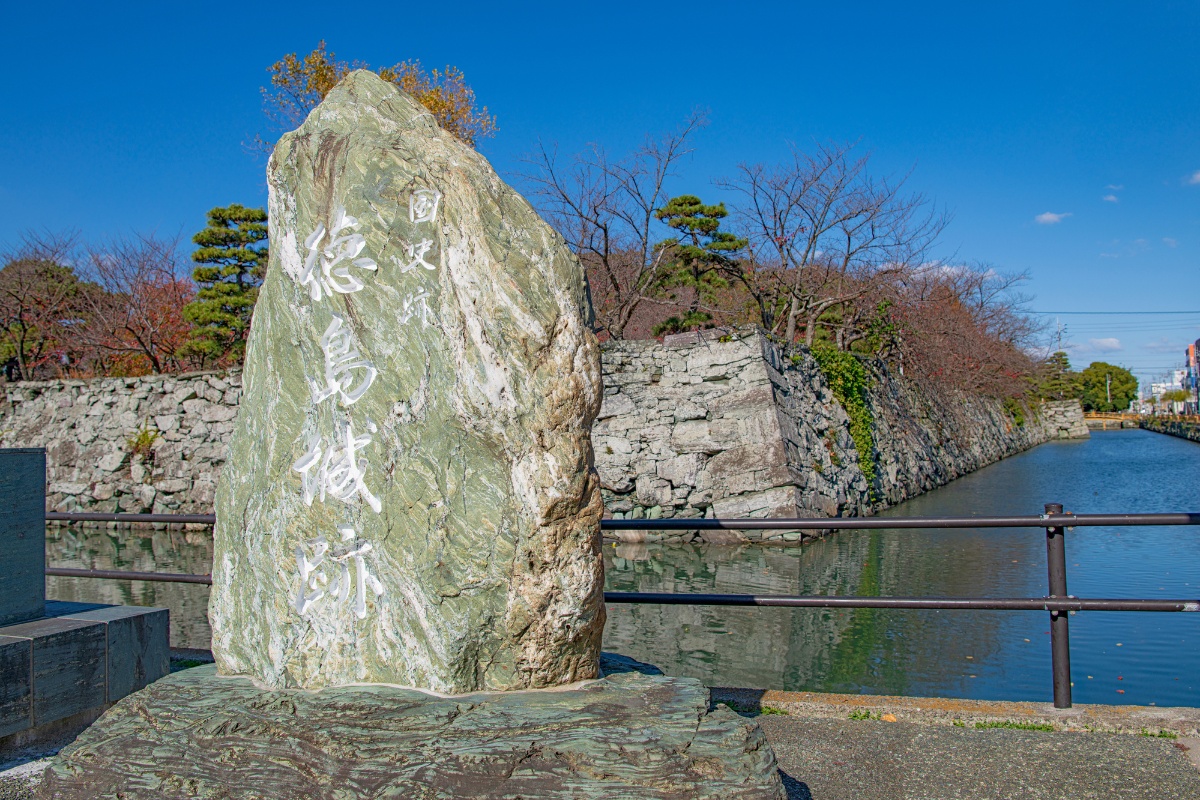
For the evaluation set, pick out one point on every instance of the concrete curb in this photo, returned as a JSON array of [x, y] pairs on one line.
[[1182, 722]]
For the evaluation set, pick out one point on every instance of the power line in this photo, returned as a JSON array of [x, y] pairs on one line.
[[1090, 313]]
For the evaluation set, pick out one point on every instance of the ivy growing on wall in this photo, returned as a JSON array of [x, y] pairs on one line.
[[849, 380]]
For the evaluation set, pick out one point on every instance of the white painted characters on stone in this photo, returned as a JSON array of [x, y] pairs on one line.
[[416, 256], [330, 255], [336, 471], [316, 583], [415, 305], [344, 365], [423, 205]]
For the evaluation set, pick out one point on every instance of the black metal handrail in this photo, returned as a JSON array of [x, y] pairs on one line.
[[1054, 522], [1067, 519]]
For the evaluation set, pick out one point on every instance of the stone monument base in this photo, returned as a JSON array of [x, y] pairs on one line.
[[627, 735]]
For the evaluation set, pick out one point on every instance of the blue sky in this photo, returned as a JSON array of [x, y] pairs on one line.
[[1064, 137]]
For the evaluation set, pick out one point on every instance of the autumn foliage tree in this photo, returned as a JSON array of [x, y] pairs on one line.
[[299, 83], [41, 302], [135, 323]]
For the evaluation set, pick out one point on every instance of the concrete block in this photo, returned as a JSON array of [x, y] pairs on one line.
[[16, 708], [137, 645], [22, 534], [69, 665]]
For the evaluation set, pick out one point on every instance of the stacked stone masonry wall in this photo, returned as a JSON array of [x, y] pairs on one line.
[[696, 426], [1172, 427]]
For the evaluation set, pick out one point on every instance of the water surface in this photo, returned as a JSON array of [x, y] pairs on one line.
[[1117, 657], [1137, 658]]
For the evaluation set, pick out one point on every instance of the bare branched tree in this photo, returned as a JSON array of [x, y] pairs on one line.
[[138, 314], [604, 208], [825, 233]]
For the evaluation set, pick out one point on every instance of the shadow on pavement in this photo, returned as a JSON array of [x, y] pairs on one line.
[[796, 790]]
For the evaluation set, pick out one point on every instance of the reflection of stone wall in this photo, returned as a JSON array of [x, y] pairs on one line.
[[696, 426], [722, 646]]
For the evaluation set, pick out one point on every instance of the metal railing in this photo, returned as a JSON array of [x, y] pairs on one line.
[[1054, 522]]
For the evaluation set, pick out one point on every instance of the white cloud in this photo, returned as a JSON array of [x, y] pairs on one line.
[[1111, 198], [1108, 345], [1115, 187], [1050, 218], [1195, 179], [1165, 345], [1169, 242]]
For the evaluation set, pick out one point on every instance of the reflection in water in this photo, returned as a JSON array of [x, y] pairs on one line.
[[1116, 657], [1150, 658], [141, 550], [838, 650]]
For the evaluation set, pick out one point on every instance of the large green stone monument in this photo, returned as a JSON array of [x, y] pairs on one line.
[[407, 583], [409, 497]]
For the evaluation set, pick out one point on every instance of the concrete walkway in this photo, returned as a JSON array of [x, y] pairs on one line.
[[827, 759], [863, 747]]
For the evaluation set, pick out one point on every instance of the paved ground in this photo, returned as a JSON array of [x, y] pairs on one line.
[[829, 759]]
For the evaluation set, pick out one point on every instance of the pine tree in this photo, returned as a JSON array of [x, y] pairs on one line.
[[697, 259], [229, 270], [1056, 380]]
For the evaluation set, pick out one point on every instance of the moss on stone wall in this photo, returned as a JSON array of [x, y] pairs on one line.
[[850, 381]]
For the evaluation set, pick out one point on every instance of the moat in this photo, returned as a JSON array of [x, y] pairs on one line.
[[1116, 657]]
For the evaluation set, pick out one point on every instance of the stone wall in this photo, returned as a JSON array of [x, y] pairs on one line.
[[1172, 427], [90, 431], [696, 426], [708, 426]]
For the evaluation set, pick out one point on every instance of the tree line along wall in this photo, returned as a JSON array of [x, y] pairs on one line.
[[700, 425]]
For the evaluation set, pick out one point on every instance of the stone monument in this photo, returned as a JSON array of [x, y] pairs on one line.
[[411, 498], [407, 581]]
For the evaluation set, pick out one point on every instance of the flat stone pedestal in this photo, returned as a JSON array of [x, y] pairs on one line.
[[630, 735]]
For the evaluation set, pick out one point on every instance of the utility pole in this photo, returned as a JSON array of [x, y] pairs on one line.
[[1108, 387]]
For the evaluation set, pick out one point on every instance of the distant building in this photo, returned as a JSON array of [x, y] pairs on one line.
[[1191, 380]]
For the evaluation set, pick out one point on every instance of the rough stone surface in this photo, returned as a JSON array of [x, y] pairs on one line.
[[87, 428], [410, 496], [1172, 427], [665, 441], [712, 425], [629, 735]]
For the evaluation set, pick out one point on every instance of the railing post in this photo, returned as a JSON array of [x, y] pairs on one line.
[[1060, 643]]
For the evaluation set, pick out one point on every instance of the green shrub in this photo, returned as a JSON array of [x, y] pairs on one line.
[[1015, 410]]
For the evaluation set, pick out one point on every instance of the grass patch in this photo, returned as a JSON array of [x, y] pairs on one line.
[[862, 713], [1159, 735], [1014, 726], [142, 442]]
